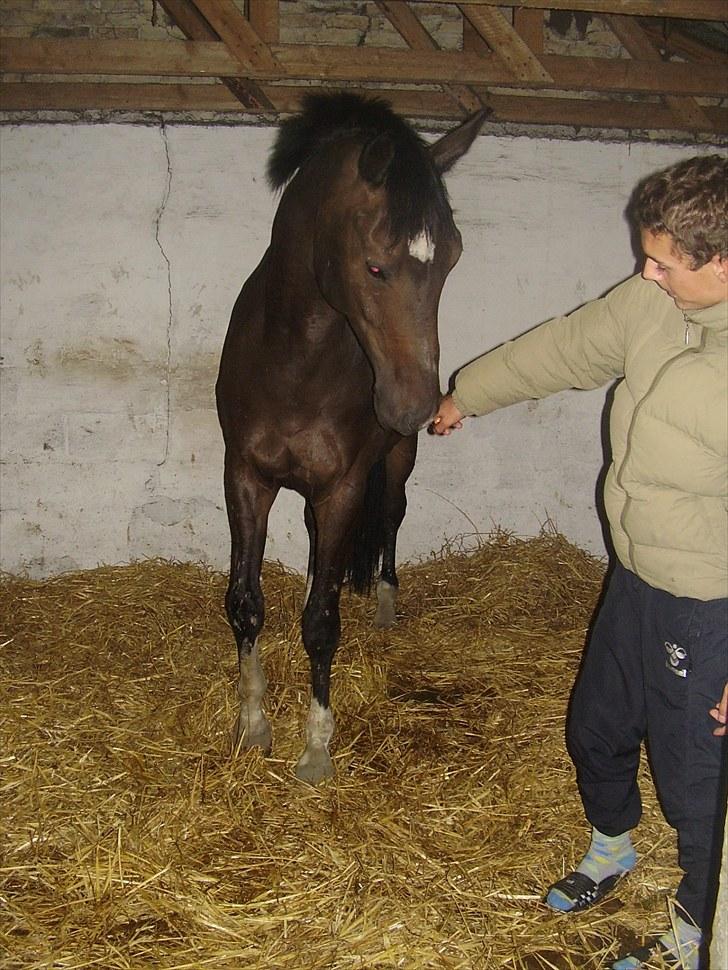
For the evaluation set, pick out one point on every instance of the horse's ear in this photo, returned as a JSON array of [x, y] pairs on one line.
[[375, 158], [448, 149]]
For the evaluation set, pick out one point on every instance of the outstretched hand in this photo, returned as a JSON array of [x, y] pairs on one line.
[[447, 418], [720, 713]]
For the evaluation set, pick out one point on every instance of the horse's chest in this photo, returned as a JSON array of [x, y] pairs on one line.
[[311, 457]]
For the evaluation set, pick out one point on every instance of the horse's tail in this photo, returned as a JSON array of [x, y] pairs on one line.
[[368, 540]]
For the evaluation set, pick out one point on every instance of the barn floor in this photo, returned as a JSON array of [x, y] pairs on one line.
[[131, 837]]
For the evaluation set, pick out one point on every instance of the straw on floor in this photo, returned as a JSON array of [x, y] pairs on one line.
[[132, 837]]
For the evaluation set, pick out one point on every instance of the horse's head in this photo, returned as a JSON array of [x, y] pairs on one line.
[[385, 243]]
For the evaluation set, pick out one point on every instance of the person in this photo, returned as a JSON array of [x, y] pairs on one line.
[[656, 664]]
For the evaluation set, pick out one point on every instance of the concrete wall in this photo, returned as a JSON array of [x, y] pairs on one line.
[[122, 251]]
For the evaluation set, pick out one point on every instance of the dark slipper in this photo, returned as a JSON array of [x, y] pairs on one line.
[[582, 890], [644, 955]]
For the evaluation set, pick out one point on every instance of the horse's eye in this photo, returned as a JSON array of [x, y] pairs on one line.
[[376, 271]]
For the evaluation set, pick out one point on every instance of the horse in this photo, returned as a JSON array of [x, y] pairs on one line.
[[329, 369]]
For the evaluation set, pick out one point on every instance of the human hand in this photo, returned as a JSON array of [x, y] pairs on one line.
[[720, 713], [448, 417]]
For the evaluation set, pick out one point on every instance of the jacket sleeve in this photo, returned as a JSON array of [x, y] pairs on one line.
[[585, 349]]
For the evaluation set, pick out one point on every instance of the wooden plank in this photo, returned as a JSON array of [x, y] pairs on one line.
[[625, 76], [264, 17], [402, 18], [529, 27], [473, 43], [373, 64], [236, 33], [191, 22], [109, 95], [569, 73], [319, 62], [575, 112], [427, 104], [142, 96], [505, 42], [154, 58], [680, 43], [175, 58], [680, 9], [189, 19], [639, 46]]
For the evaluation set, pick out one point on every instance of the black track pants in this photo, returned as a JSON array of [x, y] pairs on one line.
[[654, 666]]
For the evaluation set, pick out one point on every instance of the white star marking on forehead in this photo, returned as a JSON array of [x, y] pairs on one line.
[[422, 247]]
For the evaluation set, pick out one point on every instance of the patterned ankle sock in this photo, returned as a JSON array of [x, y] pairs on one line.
[[681, 945], [607, 856]]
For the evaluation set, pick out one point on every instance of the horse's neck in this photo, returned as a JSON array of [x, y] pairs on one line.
[[298, 318]]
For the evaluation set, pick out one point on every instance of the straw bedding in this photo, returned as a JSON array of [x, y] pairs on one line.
[[131, 836]]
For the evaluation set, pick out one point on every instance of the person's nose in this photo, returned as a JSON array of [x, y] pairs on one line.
[[650, 270]]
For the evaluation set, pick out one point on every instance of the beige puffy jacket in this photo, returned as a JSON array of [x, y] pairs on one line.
[[666, 492]]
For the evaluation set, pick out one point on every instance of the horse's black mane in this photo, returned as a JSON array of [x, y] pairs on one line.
[[417, 197]]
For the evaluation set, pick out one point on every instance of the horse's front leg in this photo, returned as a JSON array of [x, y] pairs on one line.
[[248, 504], [398, 465], [321, 627]]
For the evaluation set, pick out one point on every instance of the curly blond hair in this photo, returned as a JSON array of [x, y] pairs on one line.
[[689, 201]]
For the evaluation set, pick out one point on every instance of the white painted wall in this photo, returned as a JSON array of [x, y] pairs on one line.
[[122, 251]]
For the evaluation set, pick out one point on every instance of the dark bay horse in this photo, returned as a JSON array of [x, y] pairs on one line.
[[329, 369]]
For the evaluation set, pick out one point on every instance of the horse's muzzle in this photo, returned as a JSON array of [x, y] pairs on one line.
[[405, 421]]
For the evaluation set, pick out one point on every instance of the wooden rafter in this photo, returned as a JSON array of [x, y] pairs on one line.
[[639, 46], [578, 112], [237, 34], [320, 62], [195, 26], [529, 26], [681, 9], [676, 41], [264, 18], [405, 21], [507, 44], [667, 80]]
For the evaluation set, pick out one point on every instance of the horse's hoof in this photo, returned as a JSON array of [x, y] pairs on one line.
[[253, 736], [314, 767], [385, 617]]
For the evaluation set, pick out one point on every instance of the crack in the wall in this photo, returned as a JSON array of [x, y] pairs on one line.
[[158, 223]]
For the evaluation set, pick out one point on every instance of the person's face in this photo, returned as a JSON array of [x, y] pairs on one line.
[[691, 289]]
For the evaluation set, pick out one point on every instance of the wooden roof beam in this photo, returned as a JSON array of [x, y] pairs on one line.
[[411, 29], [194, 26], [81, 56], [236, 33], [679, 9], [264, 17], [675, 41], [426, 104], [639, 46], [529, 27], [508, 46]]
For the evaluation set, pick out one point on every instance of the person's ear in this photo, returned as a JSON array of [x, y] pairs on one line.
[[720, 267]]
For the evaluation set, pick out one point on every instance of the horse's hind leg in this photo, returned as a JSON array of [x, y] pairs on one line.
[[248, 503], [398, 466]]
